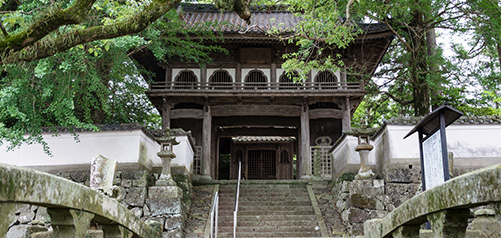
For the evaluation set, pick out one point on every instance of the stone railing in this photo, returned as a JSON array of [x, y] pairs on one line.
[[447, 207], [71, 206]]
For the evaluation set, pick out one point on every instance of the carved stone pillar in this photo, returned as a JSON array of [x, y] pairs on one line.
[[409, 231], [449, 223], [7, 211], [69, 222]]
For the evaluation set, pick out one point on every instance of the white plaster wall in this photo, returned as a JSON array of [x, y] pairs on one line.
[[315, 72], [472, 145], [196, 71], [266, 72], [232, 73], [127, 147], [123, 146], [184, 153]]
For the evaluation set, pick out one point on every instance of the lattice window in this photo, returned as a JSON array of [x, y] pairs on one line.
[[221, 80], [325, 157], [256, 80], [326, 80], [197, 160], [186, 80], [262, 163], [286, 82]]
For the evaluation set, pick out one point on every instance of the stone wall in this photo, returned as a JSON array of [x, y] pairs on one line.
[[135, 189], [361, 200]]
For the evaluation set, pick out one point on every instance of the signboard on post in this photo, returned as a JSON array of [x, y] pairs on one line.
[[433, 145]]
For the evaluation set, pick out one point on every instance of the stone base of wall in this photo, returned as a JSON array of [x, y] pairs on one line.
[[361, 200], [135, 190]]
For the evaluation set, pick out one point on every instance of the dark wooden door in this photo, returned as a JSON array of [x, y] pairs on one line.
[[262, 164]]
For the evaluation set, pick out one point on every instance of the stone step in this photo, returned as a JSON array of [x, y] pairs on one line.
[[278, 212], [269, 219], [268, 229], [270, 234], [257, 204]]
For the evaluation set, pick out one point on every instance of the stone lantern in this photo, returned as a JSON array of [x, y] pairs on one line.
[[363, 149], [166, 154]]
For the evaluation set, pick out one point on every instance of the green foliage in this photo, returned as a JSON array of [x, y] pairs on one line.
[[92, 83]]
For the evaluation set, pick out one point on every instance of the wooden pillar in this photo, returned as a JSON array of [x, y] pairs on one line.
[[203, 78], [168, 77], [238, 73], [166, 107], [206, 143], [305, 142], [346, 115], [273, 76]]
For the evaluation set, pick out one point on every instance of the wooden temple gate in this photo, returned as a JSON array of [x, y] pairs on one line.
[[263, 157]]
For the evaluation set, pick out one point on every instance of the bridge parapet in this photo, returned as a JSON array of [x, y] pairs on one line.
[[72, 206], [447, 207]]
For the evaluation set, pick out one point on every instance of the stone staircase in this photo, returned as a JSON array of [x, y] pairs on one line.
[[268, 209]]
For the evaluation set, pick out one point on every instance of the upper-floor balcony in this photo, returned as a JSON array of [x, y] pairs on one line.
[[254, 84]]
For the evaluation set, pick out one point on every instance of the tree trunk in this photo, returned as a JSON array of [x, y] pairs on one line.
[[419, 66], [431, 45]]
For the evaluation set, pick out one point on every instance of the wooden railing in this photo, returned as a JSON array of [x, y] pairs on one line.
[[71, 206], [446, 207], [253, 86]]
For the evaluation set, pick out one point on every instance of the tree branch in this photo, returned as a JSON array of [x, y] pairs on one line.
[[130, 25], [41, 28]]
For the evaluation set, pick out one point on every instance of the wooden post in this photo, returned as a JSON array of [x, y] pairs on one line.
[[305, 142], [166, 106], [203, 78], [206, 143], [238, 73], [273, 76], [346, 115]]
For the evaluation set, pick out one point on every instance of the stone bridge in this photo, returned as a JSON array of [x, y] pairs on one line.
[[71, 206], [446, 207]]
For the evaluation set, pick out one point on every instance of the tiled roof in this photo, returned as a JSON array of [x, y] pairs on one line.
[[462, 120], [262, 20], [263, 138], [230, 22]]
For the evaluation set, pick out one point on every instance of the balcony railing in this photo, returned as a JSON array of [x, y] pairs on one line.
[[254, 86]]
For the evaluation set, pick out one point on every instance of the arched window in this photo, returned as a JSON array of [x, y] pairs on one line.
[[221, 80], [186, 79], [256, 80], [287, 83], [326, 80], [284, 157]]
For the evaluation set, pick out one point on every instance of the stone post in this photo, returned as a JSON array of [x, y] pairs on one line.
[[317, 165], [165, 198], [102, 172], [449, 223], [363, 149], [7, 213], [69, 222], [166, 154]]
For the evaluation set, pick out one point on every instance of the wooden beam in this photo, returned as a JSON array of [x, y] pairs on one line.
[[326, 113], [256, 110], [187, 113]]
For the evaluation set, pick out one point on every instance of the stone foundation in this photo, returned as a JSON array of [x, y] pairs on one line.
[[168, 204]]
